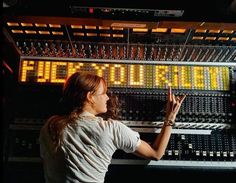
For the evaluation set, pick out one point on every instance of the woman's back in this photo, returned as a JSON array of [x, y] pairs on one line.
[[87, 148]]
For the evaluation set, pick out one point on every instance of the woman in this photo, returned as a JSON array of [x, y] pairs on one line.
[[78, 146]]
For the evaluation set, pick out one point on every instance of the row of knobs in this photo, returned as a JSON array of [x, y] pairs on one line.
[[115, 51], [137, 115]]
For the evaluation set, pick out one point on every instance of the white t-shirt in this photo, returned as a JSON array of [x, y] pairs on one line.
[[86, 150]]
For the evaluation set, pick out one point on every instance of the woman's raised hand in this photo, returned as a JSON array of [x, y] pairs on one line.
[[173, 105]]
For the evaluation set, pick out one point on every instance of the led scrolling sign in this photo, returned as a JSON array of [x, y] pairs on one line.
[[129, 75]]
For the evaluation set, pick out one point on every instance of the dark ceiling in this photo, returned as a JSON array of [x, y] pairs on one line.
[[168, 30], [200, 10]]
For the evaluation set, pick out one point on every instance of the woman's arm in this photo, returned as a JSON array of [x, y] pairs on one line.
[[157, 150]]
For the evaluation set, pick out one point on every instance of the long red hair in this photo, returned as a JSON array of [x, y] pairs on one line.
[[75, 91]]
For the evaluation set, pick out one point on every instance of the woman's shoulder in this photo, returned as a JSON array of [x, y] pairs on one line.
[[112, 122], [51, 122]]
